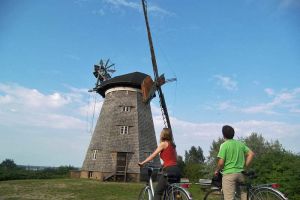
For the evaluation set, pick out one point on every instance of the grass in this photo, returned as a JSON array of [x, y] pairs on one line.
[[50, 189]]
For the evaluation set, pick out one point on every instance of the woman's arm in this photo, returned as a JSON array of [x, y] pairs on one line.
[[160, 147]]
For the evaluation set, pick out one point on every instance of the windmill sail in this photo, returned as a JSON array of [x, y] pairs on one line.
[[156, 75]]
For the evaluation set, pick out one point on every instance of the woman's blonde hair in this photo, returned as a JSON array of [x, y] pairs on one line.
[[166, 135]]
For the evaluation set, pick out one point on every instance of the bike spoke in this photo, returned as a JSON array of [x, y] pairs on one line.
[[214, 194], [145, 194], [266, 194], [177, 194]]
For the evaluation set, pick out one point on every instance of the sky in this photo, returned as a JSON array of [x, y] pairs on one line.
[[236, 62]]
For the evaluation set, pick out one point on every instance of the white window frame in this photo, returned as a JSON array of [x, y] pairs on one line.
[[126, 108], [94, 156], [124, 130]]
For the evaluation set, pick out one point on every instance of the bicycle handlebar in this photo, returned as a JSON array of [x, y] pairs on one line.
[[151, 167]]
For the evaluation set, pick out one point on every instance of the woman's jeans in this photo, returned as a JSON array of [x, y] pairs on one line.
[[174, 173]]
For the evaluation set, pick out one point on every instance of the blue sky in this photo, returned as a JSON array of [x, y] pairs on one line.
[[236, 62]]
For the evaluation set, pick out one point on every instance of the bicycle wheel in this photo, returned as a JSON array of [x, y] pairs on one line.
[[266, 193], [177, 193], [214, 194], [145, 194]]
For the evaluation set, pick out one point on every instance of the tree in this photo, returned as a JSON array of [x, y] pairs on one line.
[[181, 165], [194, 155], [214, 150], [8, 164], [194, 163], [260, 146], [272, 163], [279, 167], [275, 146], [194, 171], [256, 143]]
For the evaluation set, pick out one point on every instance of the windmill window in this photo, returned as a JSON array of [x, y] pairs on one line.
[[95, 151], [126, 108], [124, 130]]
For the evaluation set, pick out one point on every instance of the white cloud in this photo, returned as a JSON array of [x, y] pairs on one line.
[[226, 82], [281, 4], [287, 99], [93, 107], [263, 108], [118, 4], [187, 134], [61, 126], [158, 10], [31, 108], [5, 99], [269, 91], [288, 3], [50, 129], [19, 96], [124, 3], [226, 105]]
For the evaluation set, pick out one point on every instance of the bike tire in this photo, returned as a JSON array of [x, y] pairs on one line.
[[266, 193], [214, 194], [145, 194], [177, 193]]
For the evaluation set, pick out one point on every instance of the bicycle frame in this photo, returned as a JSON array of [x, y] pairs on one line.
[[174, 187], [151, 184], [253, 191]]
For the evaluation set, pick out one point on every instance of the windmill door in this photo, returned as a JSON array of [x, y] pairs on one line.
[[121, 167]]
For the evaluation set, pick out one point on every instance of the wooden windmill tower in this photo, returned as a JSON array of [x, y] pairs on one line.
[[124, 133]]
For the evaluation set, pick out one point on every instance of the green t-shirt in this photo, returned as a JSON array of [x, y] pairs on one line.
[[233, 153]]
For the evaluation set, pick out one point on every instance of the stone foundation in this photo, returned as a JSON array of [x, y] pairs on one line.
[[130, 177]]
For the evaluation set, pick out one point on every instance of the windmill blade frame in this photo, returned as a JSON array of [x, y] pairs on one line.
[[101, 63], [110, 66], [106, 63], [111, 70], [163, 105]]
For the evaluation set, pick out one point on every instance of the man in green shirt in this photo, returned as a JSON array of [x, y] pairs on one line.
[[233, 157]]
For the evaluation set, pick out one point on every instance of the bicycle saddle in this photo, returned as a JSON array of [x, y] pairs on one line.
[[172, 178], [250, 174]]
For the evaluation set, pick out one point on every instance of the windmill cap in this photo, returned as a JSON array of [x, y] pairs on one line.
[[133, 80]]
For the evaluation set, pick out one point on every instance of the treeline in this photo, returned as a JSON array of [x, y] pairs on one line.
[[10, 171], [272, 164]]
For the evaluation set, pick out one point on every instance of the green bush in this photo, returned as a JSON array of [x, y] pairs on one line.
[[10, 171], [194, 171]]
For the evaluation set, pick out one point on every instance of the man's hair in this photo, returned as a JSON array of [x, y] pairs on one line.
[[228, 132]]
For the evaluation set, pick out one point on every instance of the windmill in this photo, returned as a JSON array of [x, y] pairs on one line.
[[124, 133], [149, 87]]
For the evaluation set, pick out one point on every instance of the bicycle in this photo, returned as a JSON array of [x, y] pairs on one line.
[[172, 192], [254, 192]]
